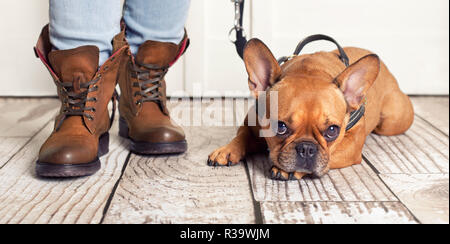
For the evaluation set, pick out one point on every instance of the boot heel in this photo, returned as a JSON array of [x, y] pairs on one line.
[[123, 128], [103, 144]]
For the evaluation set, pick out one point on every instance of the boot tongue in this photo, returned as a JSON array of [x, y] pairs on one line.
[[77, 65], [156, 53]]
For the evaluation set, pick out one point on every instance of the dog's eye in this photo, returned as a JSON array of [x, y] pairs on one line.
[[331, 133], [282, 128]]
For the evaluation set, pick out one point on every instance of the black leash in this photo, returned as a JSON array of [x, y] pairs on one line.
[[241, 40]]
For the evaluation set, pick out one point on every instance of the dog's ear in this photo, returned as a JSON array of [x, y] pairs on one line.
[[262, 67], [355, 80]]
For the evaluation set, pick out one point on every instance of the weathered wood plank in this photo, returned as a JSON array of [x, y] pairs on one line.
[[356, 183], [434, 110], [422, 149], [9, 146], [25, 198], [25, 117], [335, 213], [425, 195], [183, 189]]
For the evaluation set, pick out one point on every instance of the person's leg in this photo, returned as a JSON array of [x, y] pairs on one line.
[[81, 32], [155, 32], [85, 22], [155, 20]]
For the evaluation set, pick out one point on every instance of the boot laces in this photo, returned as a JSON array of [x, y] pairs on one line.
[[74, 103], [148, 80]]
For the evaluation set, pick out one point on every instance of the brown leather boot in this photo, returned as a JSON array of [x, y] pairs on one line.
[[144, 117], [80, 135]]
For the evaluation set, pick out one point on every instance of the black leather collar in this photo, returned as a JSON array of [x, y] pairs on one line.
[[342, 55], [355, 116]]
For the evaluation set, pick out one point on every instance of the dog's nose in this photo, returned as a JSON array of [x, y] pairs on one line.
[[306, 156], [307, 150]]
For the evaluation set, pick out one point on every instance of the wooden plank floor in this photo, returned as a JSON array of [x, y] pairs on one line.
[[403, 179], [183, 189]]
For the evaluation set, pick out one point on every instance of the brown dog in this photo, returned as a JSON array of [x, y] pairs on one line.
[[316, 94]]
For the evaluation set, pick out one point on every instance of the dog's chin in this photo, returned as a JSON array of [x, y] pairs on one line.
[[287, 162], [289, 166], [317, 172], [305, 171], [320, 171], [284, 161]]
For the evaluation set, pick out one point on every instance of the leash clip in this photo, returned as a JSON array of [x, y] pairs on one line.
[[237, 13], [237, 21], [235, 29]]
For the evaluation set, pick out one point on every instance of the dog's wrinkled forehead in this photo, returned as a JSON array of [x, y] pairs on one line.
[[300, 96]]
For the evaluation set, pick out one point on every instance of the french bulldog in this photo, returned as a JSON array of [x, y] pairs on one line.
[[316, 95]]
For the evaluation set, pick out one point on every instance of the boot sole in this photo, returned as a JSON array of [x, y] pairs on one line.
[[52, 170], [151, 148]]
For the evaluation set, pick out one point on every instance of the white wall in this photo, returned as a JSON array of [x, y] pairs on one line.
[[411, 36], [20, 72]]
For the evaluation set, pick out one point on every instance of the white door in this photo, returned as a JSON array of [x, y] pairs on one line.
[[212, 66]]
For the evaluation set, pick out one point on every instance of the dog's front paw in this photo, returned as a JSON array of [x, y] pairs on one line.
[[228, 155], [278, 174]]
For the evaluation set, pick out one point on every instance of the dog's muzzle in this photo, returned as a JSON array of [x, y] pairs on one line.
[[306, 157]]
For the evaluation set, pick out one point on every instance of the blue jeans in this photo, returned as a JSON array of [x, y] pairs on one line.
[[75, 23]]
